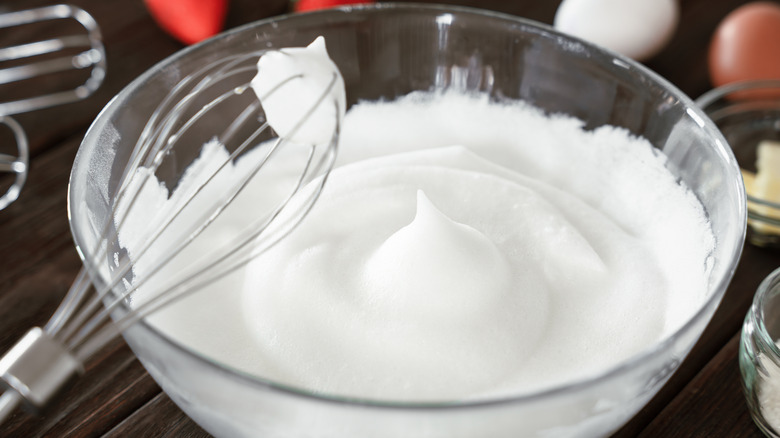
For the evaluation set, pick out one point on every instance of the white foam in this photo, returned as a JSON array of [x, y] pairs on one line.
[[301, 84], [570, 244]]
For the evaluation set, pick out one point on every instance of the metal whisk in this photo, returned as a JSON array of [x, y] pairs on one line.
[[45, 359], [58, 55]]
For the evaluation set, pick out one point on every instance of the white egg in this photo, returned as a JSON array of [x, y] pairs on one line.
[[636, 28]]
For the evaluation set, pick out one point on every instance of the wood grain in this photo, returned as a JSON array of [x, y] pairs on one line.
[[694, 407], [118, 398]]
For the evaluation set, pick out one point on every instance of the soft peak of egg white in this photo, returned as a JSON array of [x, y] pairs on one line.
[[302, 93], [435, 265]]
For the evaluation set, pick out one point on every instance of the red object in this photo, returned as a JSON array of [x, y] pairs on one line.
[[746, 45], [189, 21], [313, 5]]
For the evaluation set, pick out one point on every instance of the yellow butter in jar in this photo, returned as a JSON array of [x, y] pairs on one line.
[[763, 190]]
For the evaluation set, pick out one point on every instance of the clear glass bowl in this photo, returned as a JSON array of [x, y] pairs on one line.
[[748, 113], [387, 51], [759, 356]]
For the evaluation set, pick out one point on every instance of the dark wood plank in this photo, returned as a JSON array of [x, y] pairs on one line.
[[158, 418], [711, 404], [115, 386], [119, 399]]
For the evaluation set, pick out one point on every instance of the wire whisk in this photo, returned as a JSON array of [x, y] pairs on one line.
[[47, 358]]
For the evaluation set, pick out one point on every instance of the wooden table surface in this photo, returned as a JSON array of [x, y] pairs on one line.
[[117, 398]]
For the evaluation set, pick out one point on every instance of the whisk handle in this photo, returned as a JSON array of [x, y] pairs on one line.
[[8, 403], [35, 370]]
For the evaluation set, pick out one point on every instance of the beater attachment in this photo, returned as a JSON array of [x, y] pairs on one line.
[[38, 61], [46, 359]]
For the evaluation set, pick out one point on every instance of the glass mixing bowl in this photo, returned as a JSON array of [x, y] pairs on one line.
[[386, 51]]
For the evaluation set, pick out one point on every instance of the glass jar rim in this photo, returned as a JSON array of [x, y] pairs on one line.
[[718, 93], [770, 284]]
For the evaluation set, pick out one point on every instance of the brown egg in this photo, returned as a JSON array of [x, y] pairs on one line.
[[746, 45]]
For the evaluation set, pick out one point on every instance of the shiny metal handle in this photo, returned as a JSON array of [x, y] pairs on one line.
[[34, 371], [8, 403]]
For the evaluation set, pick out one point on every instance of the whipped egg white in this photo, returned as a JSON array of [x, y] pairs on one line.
[[462, 248]]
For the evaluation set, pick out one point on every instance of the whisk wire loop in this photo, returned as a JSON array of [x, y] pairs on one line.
[[154, 134], [72, 301], [154, 142], [82, 323], [210, 263], [163, 144], [214, 272]]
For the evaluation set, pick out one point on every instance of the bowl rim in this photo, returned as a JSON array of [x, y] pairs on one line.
[[718, 288]]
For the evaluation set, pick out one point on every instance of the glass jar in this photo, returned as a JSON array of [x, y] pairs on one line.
[[759, 356]]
